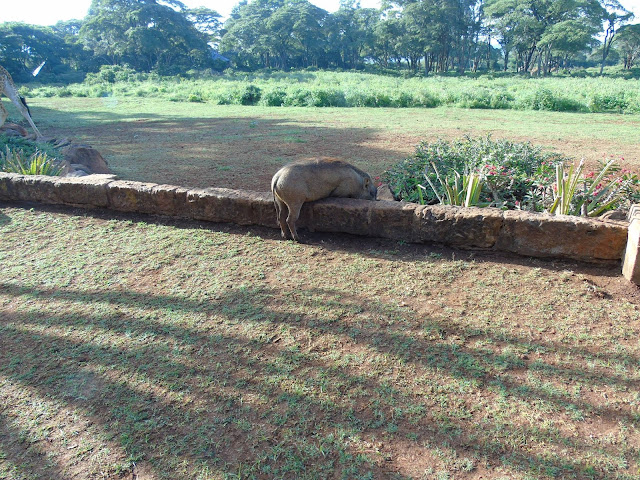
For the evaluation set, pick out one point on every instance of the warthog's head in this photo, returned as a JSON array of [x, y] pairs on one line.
[[369, 189]]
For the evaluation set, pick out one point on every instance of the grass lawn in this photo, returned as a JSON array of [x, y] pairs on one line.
[[201, 145], [136, 347], [141, 347]]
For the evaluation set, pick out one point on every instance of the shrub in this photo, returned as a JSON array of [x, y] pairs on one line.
[[296, 97], [563, 104], [64, 92], [593, 193], [113, 74], [250, 95], [607, 102], [475, 98], [273, 98], [322, 97], [510, 170], [27, 147], [510, 176], [543, 99], [501, 100]]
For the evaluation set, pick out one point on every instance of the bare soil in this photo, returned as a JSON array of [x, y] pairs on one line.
[[245, 152]]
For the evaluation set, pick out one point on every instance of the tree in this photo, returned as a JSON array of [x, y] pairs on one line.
[[351, 32], [145, 34], [537, 28], [308, 33], [247, 36], [628, 43], [24, 47], [615, 15], [207, 22]]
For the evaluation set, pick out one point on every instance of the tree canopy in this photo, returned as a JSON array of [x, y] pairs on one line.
[[421, 35]]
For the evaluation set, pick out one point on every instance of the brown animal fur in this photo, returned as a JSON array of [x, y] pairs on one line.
[[309, 180]]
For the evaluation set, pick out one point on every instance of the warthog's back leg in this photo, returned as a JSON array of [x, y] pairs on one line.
[[281, 209], [292, 218]]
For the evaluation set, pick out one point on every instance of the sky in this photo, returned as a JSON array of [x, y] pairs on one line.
[[49, 12]]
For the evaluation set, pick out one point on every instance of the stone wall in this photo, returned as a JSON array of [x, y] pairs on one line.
[[536, 235]]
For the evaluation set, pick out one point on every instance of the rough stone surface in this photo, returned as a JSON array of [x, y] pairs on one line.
[[564, 236], [631, 263], [538, 235], [87, 156], [127, 196], [337, 215], [231, 206], [461, 227], [169, 199], [88, 191]]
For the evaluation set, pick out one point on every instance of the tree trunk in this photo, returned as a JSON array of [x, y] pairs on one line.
[[606, 45]]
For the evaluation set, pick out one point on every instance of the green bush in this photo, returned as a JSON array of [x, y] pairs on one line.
[[512, 171], [543, 99], [608, 102], [357, 89], [250, 95], [273, 98], [27, 147], [113, 74]]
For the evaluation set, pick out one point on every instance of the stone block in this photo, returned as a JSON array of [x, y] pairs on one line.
[[562, 236], [230, 206], [89, 191], [631, 262], [337, 215], [128, 196], [456, 226], [169, 199]]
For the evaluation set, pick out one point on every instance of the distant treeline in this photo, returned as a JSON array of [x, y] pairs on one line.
[[425, 36]]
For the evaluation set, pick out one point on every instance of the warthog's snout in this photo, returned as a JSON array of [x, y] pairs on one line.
[[310, 180]]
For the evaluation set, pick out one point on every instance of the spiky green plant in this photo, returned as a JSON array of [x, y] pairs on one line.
[[575, 194], [14, 161], [463, 190]]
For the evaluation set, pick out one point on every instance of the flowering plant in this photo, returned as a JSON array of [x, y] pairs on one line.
[[510, 176], [595, 192], [509, 170]]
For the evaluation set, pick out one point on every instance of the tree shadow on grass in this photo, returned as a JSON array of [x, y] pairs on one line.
[[234, 152], [259, 381], [21, 460]]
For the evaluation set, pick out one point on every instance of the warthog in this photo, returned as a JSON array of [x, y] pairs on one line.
[[309, 180]]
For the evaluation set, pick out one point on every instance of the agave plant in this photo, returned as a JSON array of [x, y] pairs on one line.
[[36, 164], [575, 194], [463, 190]]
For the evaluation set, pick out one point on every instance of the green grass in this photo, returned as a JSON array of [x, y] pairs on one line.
[[184, 350], [186, 143], [352, 89]]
